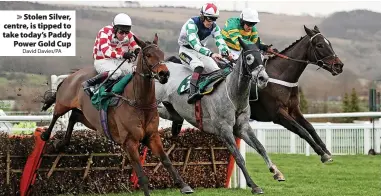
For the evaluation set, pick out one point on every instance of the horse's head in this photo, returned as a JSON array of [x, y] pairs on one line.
[[252, 64], [151, 61], [321, 52]]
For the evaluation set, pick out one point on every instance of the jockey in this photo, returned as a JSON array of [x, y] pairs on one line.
[[192, 40], [243, 27], [113, 44]]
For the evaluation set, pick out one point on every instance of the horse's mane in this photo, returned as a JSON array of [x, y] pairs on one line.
[[288, 47]]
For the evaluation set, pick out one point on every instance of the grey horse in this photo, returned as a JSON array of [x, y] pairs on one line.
[[226, 111]]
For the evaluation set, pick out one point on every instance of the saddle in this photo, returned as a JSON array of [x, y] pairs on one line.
[[104, 97], [206, 83]]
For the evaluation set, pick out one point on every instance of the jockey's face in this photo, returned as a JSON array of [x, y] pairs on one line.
[[121, 35], [248, 26], [208, 21]]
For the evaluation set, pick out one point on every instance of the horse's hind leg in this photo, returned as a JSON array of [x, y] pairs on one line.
[[307, 125], [247, 134], [170, 113], [59, 110], [288, 122], [227, 135], [156, 147], [132, 147]]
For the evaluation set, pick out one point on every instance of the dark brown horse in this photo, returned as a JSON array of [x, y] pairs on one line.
[[135, 120], [279, 101]]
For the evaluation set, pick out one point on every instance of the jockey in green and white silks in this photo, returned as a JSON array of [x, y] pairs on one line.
[[244, 27], [193, 39]]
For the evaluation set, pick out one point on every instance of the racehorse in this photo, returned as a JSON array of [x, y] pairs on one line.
[[135, 119], [226, 110], [279, 101]]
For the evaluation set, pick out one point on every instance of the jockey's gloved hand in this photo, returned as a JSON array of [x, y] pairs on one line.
[[136, 52], [128, 55]]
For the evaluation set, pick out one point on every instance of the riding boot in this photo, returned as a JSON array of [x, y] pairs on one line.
[[87, 85], [194, 93]]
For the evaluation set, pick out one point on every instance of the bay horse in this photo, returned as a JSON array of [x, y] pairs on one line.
[[226, 110], [279, 102], [133, 121]]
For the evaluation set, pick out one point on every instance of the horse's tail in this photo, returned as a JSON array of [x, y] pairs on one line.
[[50, 98]]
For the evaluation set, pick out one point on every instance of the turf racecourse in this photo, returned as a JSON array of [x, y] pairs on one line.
[[358, 175]]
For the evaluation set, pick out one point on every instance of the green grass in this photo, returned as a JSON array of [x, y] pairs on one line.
[[358, 175], [28, 78]]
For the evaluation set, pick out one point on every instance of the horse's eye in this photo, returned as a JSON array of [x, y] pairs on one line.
[[319, 45], [250, 59]]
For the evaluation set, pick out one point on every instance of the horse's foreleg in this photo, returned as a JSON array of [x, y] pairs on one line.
[[75, 116], [247, 134], [132, 149], [289, 123], [227, 135], [156, 147], [297, 114], [59, 110]]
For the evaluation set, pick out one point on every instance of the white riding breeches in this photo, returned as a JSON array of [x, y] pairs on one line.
[[110, 65], [195, 59]]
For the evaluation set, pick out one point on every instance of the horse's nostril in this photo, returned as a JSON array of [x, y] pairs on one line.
[[261, 78], [163, 74]]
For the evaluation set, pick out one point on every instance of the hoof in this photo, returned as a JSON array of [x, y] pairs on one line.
[[257, 190], [326, 158], [45, 136], [279, 177], [187, 190]]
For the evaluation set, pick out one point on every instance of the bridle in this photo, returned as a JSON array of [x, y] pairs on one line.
[[151, 73], [319, 62]]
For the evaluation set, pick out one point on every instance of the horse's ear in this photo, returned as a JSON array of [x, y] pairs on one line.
[[309, 31], [242, 43], [156, 39], [139, 42], [316, 29]]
